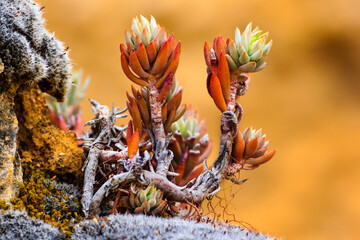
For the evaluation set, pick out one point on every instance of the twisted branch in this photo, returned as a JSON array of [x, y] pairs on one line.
[[206, 185]]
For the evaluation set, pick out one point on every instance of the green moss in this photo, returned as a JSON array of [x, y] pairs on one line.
[[55, 203]]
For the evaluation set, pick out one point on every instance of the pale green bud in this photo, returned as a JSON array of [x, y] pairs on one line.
[[249, 51]]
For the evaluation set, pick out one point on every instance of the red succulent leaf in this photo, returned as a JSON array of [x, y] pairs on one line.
[[181, 166], [251, 147], [238, 150], [136, 116], [132, 140], [78, 127], [171, 41], [224, 76], [216, 92], [161, 59], [134, 90], [137, 41], [219, 46], [143, 57], [151, 51], [53, 117], [124, 51], [174, 62], [144, 111], [261, 160], [136, 66], [175, 146], [228, 40], [129, 74], [129, 47], [207, 54], [166, 87], [259, 153], [180, 112], [130, 97], [170, 120], [61, 123], [175, 101]]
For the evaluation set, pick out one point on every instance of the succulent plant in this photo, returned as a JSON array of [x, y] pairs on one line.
[[165, 146], [250, 149], [148, 201], [67, 115], [153, 58], [190, 145], [171, 110], [147, 31], [132, 140], [247, 53], [229, 64], [149, 52]]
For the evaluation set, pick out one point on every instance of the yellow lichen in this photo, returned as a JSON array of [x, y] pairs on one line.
[[33, 193]]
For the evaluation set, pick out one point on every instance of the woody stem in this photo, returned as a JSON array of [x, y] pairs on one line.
[[158, 128], [155, 109]]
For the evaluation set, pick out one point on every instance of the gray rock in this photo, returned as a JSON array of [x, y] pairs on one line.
[[29, 55], [149, 227], [17, 225]]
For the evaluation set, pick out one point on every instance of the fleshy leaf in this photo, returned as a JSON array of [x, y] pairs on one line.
[[136, 66], [216, 93], [129, 74], [143, 57], [224, 76], [161, 59], [132, 141]]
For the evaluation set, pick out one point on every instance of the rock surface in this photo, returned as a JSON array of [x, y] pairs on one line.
[[29, 56], [17, 225], [29, 53], [149, 227], [10, 167], [41, 143]]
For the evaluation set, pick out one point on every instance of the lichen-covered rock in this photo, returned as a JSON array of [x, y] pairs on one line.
[[149, 227], [17, 225], [55, 203], [10, 167], [30, 56], [41, 143], [28, 51]]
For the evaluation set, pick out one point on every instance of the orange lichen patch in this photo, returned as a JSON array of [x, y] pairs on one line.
[[40, 142]]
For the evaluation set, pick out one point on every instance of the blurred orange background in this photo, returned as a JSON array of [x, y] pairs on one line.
[[306, 100]]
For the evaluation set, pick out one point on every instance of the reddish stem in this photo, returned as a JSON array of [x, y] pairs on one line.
[[157, 125], [233, 89], [155, 109]]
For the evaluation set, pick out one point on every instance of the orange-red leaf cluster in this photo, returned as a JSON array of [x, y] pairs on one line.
[[154, 61]]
